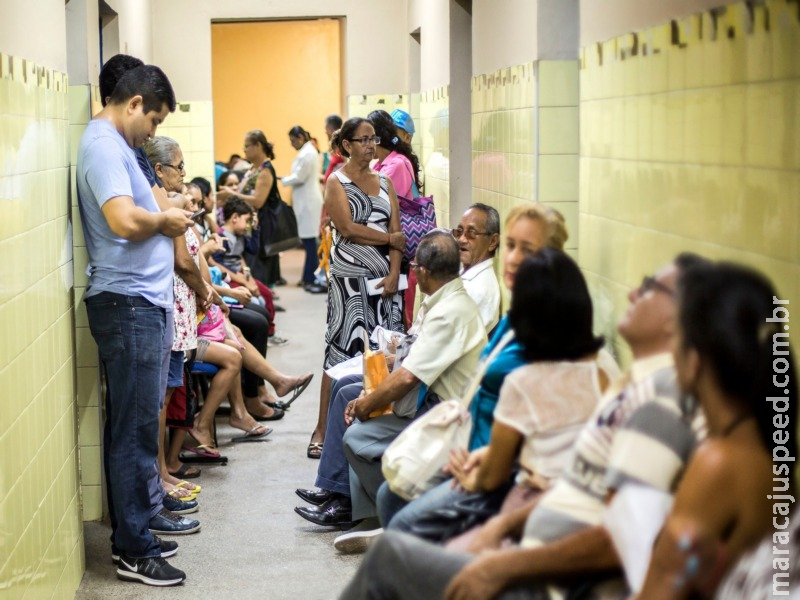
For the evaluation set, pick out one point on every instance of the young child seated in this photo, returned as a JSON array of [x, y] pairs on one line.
[[238, 215]]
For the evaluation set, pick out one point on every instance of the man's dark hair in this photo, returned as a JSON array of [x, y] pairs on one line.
[[149, 82], [439, 253], [113, 70], [333, 121], [236, 206]]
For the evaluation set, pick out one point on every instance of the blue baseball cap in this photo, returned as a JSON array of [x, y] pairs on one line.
[[403, 120]]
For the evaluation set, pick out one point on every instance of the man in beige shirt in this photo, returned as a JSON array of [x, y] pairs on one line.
[[450, 336]]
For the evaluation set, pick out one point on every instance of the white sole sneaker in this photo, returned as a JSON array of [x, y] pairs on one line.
[[356, 542], [130, 576]]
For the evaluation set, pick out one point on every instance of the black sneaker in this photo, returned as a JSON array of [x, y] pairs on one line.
[[150, 571], [180, 507], [168, 523], [168, 548]]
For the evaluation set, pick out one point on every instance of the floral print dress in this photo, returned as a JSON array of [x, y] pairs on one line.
[[185, 314]]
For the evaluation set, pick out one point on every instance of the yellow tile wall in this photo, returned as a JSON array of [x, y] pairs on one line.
[[432, 146], [689, 141], [192, 126], [84, 102], [41, 538], [525, 139]]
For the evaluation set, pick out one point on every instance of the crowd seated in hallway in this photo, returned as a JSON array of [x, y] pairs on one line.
[[697, 331], [219, 342]]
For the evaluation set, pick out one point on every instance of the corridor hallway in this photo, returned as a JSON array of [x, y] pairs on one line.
[[252, 545]]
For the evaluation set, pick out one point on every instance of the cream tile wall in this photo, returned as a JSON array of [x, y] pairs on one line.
[[41, 538], [525, 139], [192, 126], [689, 141], [432, 139], [84, 101]]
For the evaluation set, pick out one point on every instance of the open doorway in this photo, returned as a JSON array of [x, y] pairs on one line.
[[273, 75]]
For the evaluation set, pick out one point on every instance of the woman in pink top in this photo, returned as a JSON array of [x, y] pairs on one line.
[[398, 162]]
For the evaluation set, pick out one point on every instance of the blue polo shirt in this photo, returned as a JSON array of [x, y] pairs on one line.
[[107, 168], [485, 400]]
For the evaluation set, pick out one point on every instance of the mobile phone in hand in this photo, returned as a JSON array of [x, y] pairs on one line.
[[198, 214]]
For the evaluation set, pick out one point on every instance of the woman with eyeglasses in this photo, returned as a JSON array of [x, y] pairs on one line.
[[398, 162], [367, 246], [306, 201]]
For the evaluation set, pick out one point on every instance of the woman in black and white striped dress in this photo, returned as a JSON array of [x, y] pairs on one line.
[[367, 245]]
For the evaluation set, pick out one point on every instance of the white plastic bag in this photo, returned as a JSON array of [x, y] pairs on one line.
[[413, 460]]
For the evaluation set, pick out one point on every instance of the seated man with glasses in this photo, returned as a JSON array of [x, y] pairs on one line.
[[478, 236], [449, 338]]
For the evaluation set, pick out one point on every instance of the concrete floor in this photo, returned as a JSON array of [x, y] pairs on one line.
[[252, 544]]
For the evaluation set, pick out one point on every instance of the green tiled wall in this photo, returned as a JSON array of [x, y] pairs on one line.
[[84, 101], [41, 539], [689, 142]]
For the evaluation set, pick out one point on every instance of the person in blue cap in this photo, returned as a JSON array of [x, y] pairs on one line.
[[405, 124]]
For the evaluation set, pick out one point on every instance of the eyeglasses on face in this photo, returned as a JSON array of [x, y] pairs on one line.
[[179, 167], [470, 232], [651, 283], [415, 265], [367, 140]]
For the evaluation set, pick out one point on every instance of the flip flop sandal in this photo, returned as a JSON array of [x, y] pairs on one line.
[[192, 487], [314, 450], [186, 472], [299, 389], [175, 495], [203, 450], [250, 436], [277, 415]]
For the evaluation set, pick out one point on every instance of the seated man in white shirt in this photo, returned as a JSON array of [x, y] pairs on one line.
[[449, 338], [478, 236]]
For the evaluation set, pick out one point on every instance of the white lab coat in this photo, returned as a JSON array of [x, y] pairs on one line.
[[306, 192]]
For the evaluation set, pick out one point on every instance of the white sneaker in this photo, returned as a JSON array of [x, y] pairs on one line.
[[356, 541]]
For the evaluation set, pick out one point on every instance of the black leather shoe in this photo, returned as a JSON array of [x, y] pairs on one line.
[[336, 511], [314, 497]]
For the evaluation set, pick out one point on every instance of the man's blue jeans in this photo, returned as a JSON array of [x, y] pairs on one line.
[[131, 334], [333, 473]]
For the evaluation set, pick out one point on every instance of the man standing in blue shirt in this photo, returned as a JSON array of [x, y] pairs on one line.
[[129, 304]]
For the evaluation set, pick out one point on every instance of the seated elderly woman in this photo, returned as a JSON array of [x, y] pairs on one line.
[[738, 487], [449, 338]]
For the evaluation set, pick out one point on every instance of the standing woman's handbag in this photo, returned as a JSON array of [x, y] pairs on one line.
[[417, 217], [280, 229]]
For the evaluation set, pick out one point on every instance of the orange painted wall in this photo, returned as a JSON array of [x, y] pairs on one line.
[[272, 75]]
